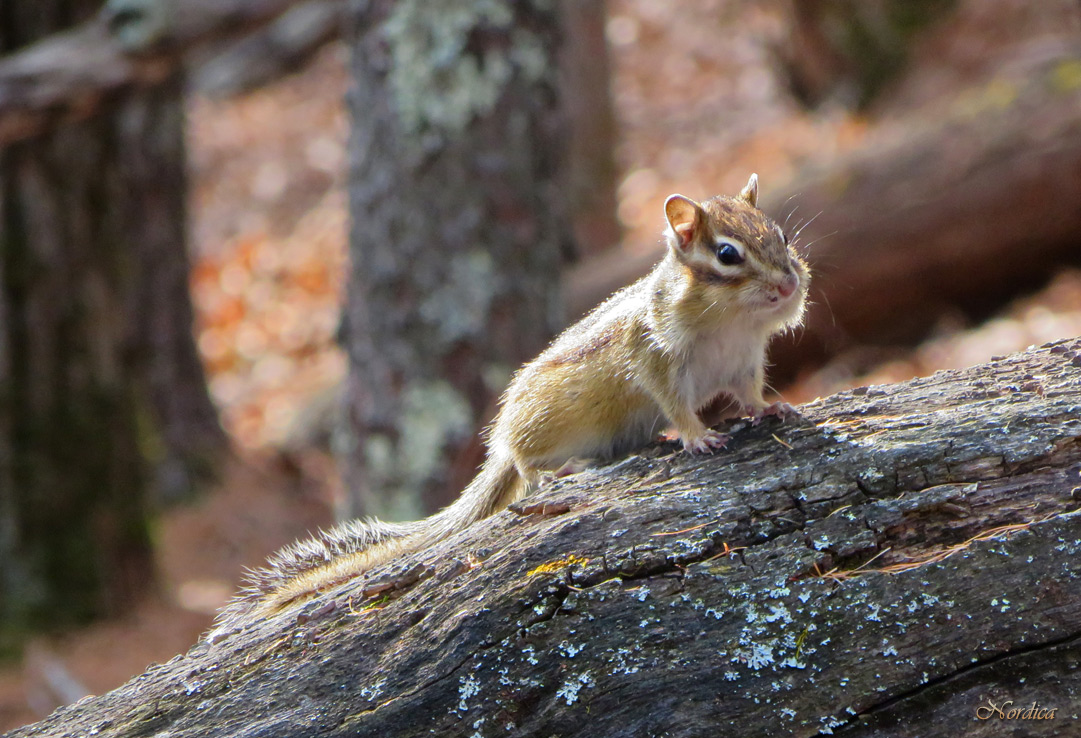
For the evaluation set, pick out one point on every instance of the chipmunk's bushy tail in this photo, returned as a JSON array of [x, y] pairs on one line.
[[352, 548]]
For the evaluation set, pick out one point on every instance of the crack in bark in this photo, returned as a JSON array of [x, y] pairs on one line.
[[850, 723]]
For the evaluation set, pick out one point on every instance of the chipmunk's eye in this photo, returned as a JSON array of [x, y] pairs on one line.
[[728, 254]]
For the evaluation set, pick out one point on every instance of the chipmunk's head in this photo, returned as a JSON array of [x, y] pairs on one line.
[[737, 256]]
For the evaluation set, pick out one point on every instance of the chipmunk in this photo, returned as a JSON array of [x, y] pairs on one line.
[[651, 356]]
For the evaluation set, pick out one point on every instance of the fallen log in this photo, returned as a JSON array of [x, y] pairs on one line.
[[133, 43], [259, 58], [895, 563]]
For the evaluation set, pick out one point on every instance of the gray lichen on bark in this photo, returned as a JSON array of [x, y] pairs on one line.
[[458, 307], [438, 86], [433, 413], [138, 24], [458, 228]]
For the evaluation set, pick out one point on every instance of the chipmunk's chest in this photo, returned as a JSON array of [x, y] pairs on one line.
[[720, 361]]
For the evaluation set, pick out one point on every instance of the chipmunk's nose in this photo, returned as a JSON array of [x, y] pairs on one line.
[[788, 285]]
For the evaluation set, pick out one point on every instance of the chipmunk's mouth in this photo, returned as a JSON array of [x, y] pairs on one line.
[[775, 301], [776, 305], [777, 295]]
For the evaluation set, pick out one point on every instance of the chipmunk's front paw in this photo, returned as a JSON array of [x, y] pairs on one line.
[[781, 410], [706, 443]]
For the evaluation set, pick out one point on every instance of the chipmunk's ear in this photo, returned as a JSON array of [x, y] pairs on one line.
[[750, 192], [685, 218]]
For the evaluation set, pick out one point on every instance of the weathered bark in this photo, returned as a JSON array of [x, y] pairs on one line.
[[883, 566], [458, 226], [100, 386], [71, 76]]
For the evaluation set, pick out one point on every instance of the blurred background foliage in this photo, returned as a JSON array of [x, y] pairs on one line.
[[929, 152]]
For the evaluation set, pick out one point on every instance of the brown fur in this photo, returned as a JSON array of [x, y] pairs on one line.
[[653, 354], [575, 354]]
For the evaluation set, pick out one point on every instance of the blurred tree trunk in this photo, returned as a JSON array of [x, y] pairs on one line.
[[458, 225], [591, 169], [293, 39], [100, 385], [182, 437]]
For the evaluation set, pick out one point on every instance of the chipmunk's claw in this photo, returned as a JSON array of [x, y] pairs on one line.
[[781, 410], [706, 443]]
